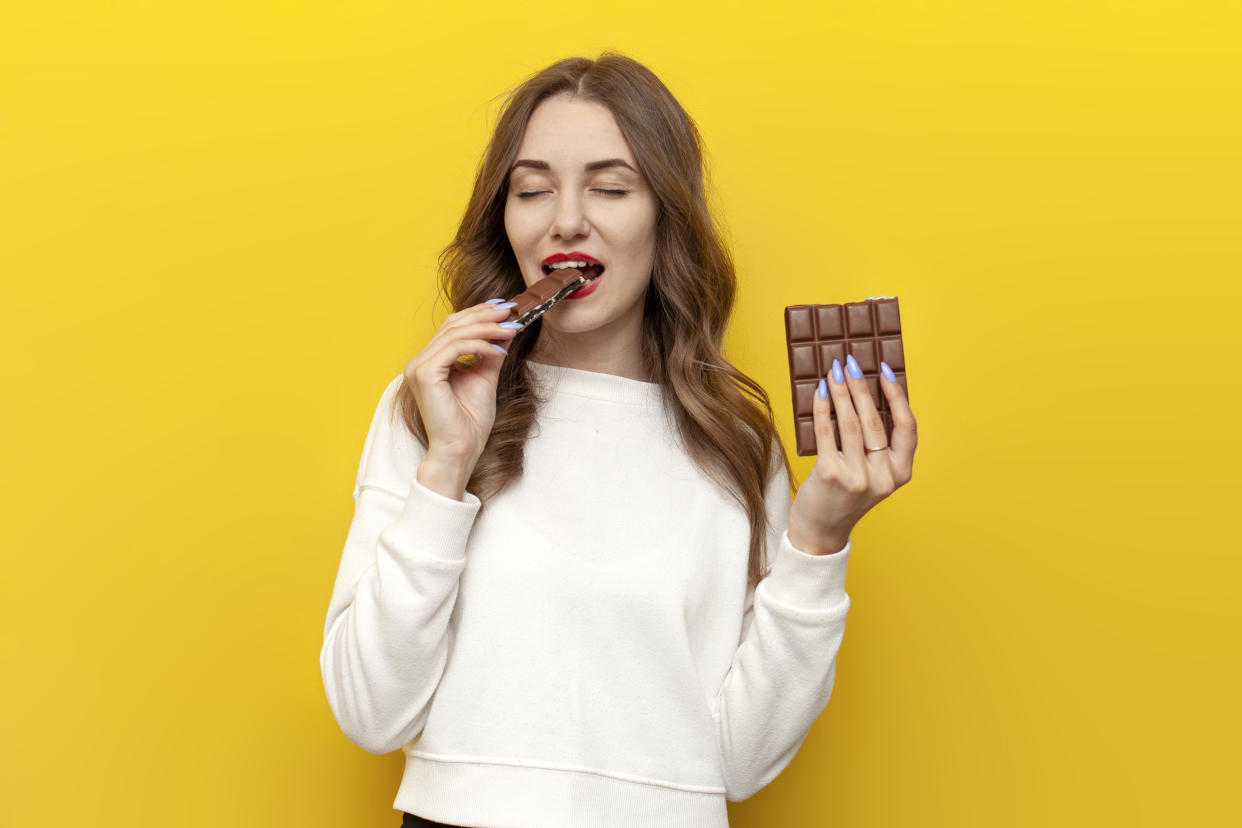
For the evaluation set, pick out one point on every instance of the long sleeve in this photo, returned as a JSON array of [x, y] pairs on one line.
[[387, 635], [784, 668]]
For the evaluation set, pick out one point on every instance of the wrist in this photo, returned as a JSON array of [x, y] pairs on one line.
[[443, 476], [829, 545]]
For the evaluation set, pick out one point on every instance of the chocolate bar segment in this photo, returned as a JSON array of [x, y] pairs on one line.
[[533, 303], [546, 291], [870, 330]]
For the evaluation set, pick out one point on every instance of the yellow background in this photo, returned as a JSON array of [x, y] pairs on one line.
[[218, 228]]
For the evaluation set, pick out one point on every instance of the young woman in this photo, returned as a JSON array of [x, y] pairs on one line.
[[555, 594]]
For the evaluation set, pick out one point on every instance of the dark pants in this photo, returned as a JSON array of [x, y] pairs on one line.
[[411, 821]]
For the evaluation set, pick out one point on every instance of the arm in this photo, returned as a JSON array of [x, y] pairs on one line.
[[386, 636], [784, 668]]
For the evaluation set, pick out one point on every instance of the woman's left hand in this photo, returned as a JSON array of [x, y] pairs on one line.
[[844, 485]]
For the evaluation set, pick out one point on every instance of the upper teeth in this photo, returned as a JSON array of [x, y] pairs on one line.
[[563, 265]]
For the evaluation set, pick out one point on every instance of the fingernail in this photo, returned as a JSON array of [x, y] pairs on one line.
[[517, 326], [837, 376], [852, 365], [498, 348], [507, 305], [822, 391], [887, 372], [494, 301]]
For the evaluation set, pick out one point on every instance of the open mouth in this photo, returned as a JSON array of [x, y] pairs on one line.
[[591, 270]]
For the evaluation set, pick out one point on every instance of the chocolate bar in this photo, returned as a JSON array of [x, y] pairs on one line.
[[533, 303], [818, 334]]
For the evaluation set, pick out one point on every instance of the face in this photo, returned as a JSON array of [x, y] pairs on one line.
[[576, 189]]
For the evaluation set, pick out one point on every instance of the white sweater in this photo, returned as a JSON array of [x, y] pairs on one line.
[[583, 651]]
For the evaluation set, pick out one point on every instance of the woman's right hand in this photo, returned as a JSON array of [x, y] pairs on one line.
[[459, 407]]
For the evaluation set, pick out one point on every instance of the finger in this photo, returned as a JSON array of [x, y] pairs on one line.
[[489, 369], [446, 358], [492, 304], [486, 311], [487, 330], [492, 324], [864, 404], [905, 429], [825, 431], [847, 418]]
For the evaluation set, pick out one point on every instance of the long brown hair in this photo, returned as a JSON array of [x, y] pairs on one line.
[[724, 416]]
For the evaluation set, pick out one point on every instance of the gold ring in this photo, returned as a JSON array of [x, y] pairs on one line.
[[881, 448]]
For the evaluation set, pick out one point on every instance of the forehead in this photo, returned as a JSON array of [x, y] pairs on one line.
[[570, 132]]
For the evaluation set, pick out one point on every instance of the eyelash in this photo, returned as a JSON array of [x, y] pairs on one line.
[[611, 193]]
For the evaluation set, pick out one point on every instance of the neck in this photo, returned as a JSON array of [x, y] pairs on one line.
[[602, 351]]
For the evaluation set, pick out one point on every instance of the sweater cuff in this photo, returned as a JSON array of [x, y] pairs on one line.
[[809, 582], [436, 525]]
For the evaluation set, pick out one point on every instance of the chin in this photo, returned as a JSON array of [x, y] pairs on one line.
[[584, 323]]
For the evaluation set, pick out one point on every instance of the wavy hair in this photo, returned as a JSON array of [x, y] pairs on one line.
[[724, 417]]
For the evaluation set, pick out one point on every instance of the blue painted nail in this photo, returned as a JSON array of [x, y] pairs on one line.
[[837, 376], [517, 326], [822, 391], [887, 372], [498, 348], [494, 301], [852, 364], [507, 305]]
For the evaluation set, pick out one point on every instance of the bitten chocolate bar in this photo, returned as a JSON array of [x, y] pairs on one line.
[[818, 334], [533, 303]]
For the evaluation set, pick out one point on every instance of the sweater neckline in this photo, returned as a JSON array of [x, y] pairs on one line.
[[595, 385]]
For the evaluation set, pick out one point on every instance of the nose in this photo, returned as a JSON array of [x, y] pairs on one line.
[[570, 221]]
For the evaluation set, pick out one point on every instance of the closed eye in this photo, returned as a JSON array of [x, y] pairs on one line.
[[610, 193]]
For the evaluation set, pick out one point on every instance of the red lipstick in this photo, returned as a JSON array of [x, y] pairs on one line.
[[575, 256], [594, 271], [584, 291]]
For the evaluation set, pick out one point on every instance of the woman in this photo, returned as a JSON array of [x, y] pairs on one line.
[[604, 642]]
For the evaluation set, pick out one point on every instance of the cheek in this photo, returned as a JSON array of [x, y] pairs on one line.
[[510, 228], [518, 227], [524, 236], [644, 235], [642, 221]]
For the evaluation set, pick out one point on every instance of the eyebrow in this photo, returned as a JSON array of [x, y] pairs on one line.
[[594, 165]]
